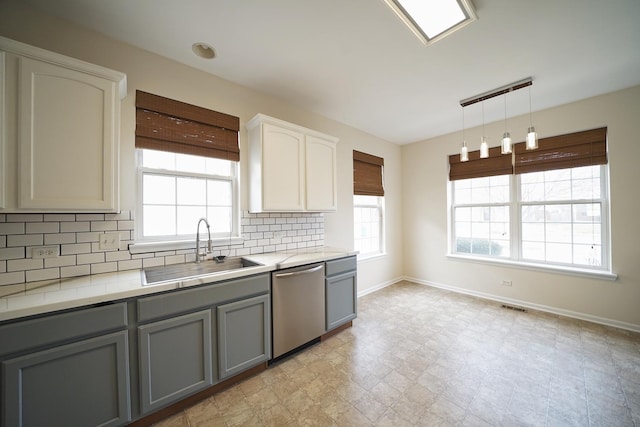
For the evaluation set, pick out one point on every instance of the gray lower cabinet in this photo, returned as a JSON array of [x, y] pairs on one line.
[[243, 335], [341, 291], [175, 358], [84, 383]]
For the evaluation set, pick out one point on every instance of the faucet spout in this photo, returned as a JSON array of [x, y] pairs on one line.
[[209, 248]]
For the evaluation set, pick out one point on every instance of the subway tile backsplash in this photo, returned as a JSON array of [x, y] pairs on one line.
[[76, 238]]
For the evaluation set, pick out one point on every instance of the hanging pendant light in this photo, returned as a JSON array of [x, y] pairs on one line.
[[484, 146], [506, 137], [464, 151], [532, 135]]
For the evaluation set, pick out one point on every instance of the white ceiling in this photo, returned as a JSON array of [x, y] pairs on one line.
[[354, 61]]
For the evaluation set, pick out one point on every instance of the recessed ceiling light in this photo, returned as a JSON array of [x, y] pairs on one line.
[[203, 50], [432, 20]]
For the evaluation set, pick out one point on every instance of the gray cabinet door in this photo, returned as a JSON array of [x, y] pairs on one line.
[[342, 299], [81, 384], [175, 359], [243, 334]]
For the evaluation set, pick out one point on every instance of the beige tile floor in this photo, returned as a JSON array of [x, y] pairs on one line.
[[422, 356]]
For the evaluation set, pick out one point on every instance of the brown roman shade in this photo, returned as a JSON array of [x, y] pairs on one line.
[[495, 164], [367, 174], [167, 125], [584, 148]]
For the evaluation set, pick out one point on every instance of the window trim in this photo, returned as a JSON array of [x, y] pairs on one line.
[[515, 208], [159, 243]]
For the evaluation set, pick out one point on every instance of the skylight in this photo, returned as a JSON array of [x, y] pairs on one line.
[[432, 20]]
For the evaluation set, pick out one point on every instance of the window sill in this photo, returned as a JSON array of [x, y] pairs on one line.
[[573, 271], [145, 247]]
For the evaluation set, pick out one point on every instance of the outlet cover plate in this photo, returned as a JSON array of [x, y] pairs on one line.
[[40, 252]]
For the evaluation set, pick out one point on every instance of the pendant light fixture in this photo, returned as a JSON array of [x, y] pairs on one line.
[[506, 137], [484, 145], [532, 135], [531, 142], [464, 151]]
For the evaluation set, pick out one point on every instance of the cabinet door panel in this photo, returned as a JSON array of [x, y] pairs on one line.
[[320, 165], [243, 334], [80, 384], [175, 359], [67, 149], [341, 299], [282, 173]]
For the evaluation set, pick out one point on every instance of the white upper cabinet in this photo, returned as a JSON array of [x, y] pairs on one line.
[[63, 124], [291, 168]]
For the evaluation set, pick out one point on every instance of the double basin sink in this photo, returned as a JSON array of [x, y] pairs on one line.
[[191, 270]]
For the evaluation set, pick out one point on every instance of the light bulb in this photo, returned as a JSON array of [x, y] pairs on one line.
[[464, 153], [506, 143], [484, 148], [532, 139]]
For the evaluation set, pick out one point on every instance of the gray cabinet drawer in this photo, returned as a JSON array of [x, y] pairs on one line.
[[190, 299], [19, 336], [341, 265]]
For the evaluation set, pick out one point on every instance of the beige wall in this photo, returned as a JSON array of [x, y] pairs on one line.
[[155, 74], [425, 216]]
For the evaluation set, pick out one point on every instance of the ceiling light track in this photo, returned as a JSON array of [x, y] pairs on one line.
[[497, 92]]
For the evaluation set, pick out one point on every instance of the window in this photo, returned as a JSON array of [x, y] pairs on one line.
[[368, 225], [368, 204], [179, 189], [545, 213], [187, 169]]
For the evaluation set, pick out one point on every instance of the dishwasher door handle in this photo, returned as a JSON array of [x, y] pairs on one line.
[[299, 273]]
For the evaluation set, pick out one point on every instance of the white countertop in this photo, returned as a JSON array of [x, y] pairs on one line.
[[99, 288]]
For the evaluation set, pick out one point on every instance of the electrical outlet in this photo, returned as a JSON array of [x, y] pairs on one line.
[[45, 252], [110, 241], [507, 283]]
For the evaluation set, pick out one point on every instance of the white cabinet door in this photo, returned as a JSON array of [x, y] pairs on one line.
[[320, 168], [67, 147], [282, 169], [291, 168]]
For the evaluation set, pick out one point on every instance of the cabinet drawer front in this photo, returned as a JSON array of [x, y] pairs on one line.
[[81, 384], [52, 329], [183, 301], [341, 265]]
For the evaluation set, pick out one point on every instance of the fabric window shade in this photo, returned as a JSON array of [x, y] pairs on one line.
[[367, 174], [475, 167], [167, 125], [584, 148]]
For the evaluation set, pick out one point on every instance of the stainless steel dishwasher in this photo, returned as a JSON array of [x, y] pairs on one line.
[[298, 306]]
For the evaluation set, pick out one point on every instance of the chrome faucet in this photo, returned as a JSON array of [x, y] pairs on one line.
[[209, 243]]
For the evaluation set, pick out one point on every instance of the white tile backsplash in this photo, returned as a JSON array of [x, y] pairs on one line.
[[77, 238]]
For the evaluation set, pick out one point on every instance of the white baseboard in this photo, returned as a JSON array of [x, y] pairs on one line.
[[380, 286], [533, 306]]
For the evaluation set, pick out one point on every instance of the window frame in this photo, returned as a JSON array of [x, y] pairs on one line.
[[185, 241], [381, 231], [515, 211]]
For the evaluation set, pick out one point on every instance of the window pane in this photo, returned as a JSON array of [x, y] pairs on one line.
[[219, 193], [220, 219], [218, 167], [158, 159], [159, 220], [192, 191], [190, 163], [367, 216], [188, 217], [559, 253], [159, 190]]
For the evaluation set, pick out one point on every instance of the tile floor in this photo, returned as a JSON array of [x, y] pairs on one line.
[[418, 355]]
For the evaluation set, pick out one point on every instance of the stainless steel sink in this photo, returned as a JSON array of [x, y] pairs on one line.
[[190, 270]]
